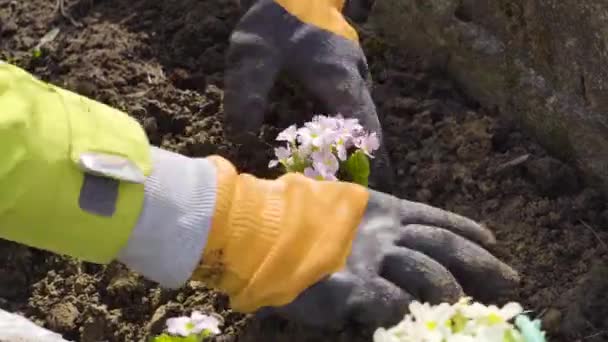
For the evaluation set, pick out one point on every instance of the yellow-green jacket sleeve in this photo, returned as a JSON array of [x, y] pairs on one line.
[[55, 144]]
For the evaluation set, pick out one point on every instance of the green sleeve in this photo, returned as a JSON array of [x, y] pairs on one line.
[[58, 151]]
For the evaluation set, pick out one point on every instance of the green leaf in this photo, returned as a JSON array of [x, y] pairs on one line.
[[163, 338], [357, 168], [191, 338], [298, 165], [458, 322], [36, 53]]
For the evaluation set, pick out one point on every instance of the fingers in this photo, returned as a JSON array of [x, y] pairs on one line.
[[345, 298], [419, 213], [323, 305], [379, 303], [335, 71], [418, 274], [480, 273], [253, 66], [337, 75], [382, 175]]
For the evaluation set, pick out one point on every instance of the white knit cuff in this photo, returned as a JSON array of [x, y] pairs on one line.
[[14, 327], [171, 233]]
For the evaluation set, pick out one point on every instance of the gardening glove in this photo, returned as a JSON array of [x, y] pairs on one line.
[[312, 42], [366, 254], [402, 251]]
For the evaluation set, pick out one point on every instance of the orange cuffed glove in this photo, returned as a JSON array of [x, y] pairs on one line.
[[293, 231]]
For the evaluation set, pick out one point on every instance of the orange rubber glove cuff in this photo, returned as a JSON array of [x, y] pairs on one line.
[[272, 239], [324, 14]]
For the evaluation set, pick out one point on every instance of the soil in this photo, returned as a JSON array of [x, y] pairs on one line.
[[162, 62]]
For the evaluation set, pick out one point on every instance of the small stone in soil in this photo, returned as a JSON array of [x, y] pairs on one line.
[[62, 317]]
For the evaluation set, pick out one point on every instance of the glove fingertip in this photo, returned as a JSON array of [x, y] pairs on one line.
[[489, 239]]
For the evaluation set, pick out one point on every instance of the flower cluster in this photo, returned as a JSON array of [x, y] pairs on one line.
[[325, 146], [463, 322], [195, 328]]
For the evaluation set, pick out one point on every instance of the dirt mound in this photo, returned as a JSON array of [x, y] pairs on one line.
[[162, 62]]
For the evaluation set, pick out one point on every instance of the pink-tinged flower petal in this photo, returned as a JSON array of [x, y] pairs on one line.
[[303, 151], [341, 149], [326, 122], [326, 158], [282, 152], [347, 131], [325, 163], [330, 177], [289, 134], [312, 173], [316, 134], [352, 126], [305, 136], [368, 143]]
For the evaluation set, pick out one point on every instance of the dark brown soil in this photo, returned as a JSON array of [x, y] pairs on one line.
[[162, 62]]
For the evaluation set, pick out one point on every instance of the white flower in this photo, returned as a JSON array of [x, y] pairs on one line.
[[310, 172], [350, 129], [383, 335], [304, 151], [318, 148], [434, 319], [406, 330], [368, 143], [463, 321], [491, 314], [195, 324], [460, 338], [182, 326], [283, 154], [315, 135], [325, 163], [209, 323], [327, 122], [341, 150], [289, 134], [495, 332]]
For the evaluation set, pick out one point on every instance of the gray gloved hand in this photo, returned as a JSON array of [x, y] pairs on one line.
[[328, 62], [404, 251]]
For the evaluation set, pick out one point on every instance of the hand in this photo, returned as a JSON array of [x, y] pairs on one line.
[[329, 64], [404, 251]]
